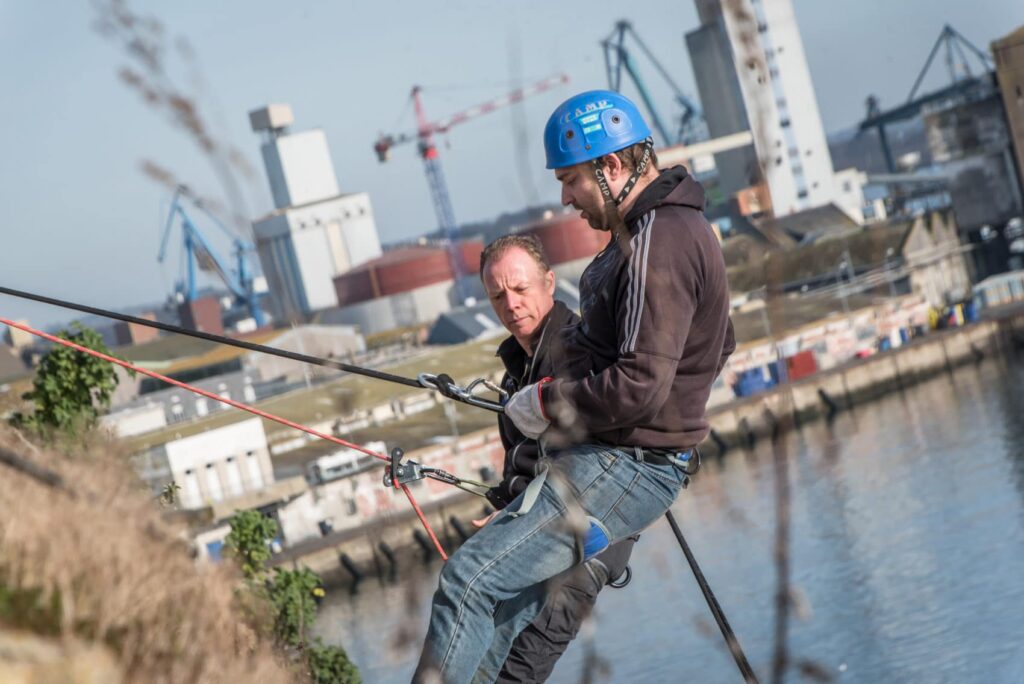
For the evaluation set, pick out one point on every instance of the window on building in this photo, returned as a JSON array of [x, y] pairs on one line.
[[202, 408], [847, 186], [177, 413], [250, 393], [234, 477], [213, 485], [784, 123], [224, 395], [802, 194], [255, 473], [191, 495]]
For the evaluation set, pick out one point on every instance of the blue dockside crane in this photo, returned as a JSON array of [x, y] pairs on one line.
[[617, 58], [199, 255]]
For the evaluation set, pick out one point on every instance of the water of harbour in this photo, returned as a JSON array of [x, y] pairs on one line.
[[907, 553]]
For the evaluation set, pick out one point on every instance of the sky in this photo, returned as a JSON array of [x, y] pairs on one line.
[[83, 222]]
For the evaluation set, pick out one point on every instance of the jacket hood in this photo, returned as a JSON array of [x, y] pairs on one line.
[[672, 186]]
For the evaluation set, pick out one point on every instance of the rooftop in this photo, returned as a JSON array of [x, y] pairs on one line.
[[811, 224], [341, 396], [867, 247]]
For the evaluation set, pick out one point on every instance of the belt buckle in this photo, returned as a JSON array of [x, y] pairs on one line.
[[688, 461]]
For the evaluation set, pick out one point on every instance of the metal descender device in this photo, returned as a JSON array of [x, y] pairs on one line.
[[398, 473]]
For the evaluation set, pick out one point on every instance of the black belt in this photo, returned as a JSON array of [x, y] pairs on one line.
[[687, 459]]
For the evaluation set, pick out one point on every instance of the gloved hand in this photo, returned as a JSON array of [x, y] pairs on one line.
[[526, 410]]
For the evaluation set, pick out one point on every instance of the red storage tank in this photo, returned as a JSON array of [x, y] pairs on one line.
[[409, 268], [354, 287], [404, 269], [469, 256], [568, 237]]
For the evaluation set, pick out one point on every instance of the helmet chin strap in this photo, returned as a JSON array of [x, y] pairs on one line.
[[612, 218]]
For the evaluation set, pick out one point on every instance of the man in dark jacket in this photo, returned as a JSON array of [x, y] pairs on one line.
[[520, 286], [629, 408]]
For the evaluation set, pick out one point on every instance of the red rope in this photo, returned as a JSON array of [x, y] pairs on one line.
[[423, 519], [229, 402]]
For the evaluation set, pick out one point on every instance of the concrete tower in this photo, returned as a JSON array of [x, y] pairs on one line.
[[751, 73], [314, 232]]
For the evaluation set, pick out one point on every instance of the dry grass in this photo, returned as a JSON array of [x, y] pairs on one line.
[[112, 570]]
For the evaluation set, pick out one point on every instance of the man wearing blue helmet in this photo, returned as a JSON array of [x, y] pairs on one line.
[[622, 419]]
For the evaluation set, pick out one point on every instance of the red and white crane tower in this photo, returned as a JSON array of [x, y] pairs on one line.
[[425, 131]]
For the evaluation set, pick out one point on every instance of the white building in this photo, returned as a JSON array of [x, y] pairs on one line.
[[135, 420], [315, 232], [752, 74], [217, 465]]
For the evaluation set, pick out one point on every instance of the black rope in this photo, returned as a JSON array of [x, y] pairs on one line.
[[730, 638], [220, 339]]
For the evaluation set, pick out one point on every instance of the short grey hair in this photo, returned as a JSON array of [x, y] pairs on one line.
[[525, 241]]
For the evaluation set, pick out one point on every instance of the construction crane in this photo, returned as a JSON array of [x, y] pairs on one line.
[[424, 134], [617, 58], [200, 255], [961, 82]]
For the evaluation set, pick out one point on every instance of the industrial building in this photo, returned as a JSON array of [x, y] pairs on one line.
[[404, 287], [749, 64], [970, 139], [924, 256], [213, 466], [315, 232], [1009, 58]]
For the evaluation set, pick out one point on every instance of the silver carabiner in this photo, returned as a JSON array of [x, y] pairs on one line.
[[463, 394]]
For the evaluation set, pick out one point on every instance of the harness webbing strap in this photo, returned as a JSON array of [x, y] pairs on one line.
[[530, 494], [640, 170]]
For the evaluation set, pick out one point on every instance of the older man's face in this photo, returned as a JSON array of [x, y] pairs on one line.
[[521, 292]]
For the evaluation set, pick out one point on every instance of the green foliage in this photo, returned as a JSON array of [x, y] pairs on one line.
[[330, 665], [169, 494], [70, 388], [30, 609], [249, 541], [293, 593], [292, 596]]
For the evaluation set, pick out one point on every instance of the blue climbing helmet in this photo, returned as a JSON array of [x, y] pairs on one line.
[[591, 125]]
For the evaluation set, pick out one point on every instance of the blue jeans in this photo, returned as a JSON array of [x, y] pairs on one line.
[[492, 587]]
